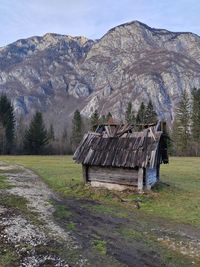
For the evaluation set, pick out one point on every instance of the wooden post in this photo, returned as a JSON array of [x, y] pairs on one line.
[[158, 172], [85, 173], [140, 179]]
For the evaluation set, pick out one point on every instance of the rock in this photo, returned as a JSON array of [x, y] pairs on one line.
[[57, 74]]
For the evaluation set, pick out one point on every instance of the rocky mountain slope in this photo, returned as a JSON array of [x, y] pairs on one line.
[[132, 62]]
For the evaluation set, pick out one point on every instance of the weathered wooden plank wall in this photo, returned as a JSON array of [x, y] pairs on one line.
[[113, 175]]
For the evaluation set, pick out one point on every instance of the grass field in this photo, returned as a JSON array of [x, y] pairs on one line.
[[180, 201]]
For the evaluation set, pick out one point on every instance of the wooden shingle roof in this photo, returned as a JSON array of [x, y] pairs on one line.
[[138, 149]]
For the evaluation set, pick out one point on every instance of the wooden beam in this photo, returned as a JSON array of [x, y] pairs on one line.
[[85, 173], [140, 179], [158, 172]]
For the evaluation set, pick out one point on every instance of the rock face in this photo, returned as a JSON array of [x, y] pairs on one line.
[[132, 62]]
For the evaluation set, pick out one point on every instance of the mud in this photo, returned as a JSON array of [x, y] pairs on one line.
[[87, 233], [144, 245]]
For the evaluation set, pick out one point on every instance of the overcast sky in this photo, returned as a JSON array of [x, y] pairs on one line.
[[92, 18]]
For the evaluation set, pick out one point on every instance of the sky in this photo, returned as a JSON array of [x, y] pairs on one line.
[[92, 18]]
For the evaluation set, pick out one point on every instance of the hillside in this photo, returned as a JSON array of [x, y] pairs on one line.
[[132, 62]]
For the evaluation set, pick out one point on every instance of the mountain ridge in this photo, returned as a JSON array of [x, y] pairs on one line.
[[57, 74], [149, 28]]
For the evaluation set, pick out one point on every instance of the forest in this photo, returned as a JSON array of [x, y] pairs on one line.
[[16, 137]]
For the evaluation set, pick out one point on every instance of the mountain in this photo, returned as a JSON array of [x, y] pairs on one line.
[[132, 62]]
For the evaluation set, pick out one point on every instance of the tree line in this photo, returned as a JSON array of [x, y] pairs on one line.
[[18, 138], [185, 132], [35, 138]]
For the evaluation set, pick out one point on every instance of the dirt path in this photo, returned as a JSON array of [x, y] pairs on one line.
[[39, 229], [134, 239], [27, 223]]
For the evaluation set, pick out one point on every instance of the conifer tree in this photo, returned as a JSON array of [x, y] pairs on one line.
[[2, 138], [7, 120], [77, 129], [108, 117], [140, 118], [103, 119], [150, 114], [51, 134], [196, 120], [65, 146], [181, 125], [64, 137], [20, 132], [36, 136], [129, 115], [94, 120]]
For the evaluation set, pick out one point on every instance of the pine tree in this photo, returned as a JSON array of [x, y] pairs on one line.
[[129, 115], [65, 146], [108, 117], [36, 136], [19, 136], [2, 138], [181, 125], [150, 114], [140, 118], [64, 137], [51, 134], [94, 120], [7, 120], [77, 129], [196, 120], [103, 119]]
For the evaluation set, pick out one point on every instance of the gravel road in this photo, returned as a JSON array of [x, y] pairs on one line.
[[23, 233], [32, 236]]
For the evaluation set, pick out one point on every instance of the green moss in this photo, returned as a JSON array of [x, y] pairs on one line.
[[8, 257], [61, 212], [100, 246], [19, 204], [113, 210], [175, 259], [131, 234], [102, 208], [4, 184], [13, 201], [71, 226]]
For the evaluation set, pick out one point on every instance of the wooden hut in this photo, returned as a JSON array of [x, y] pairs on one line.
[[117, 157]]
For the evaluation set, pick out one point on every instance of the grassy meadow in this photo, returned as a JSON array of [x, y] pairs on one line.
[[180, 201]]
